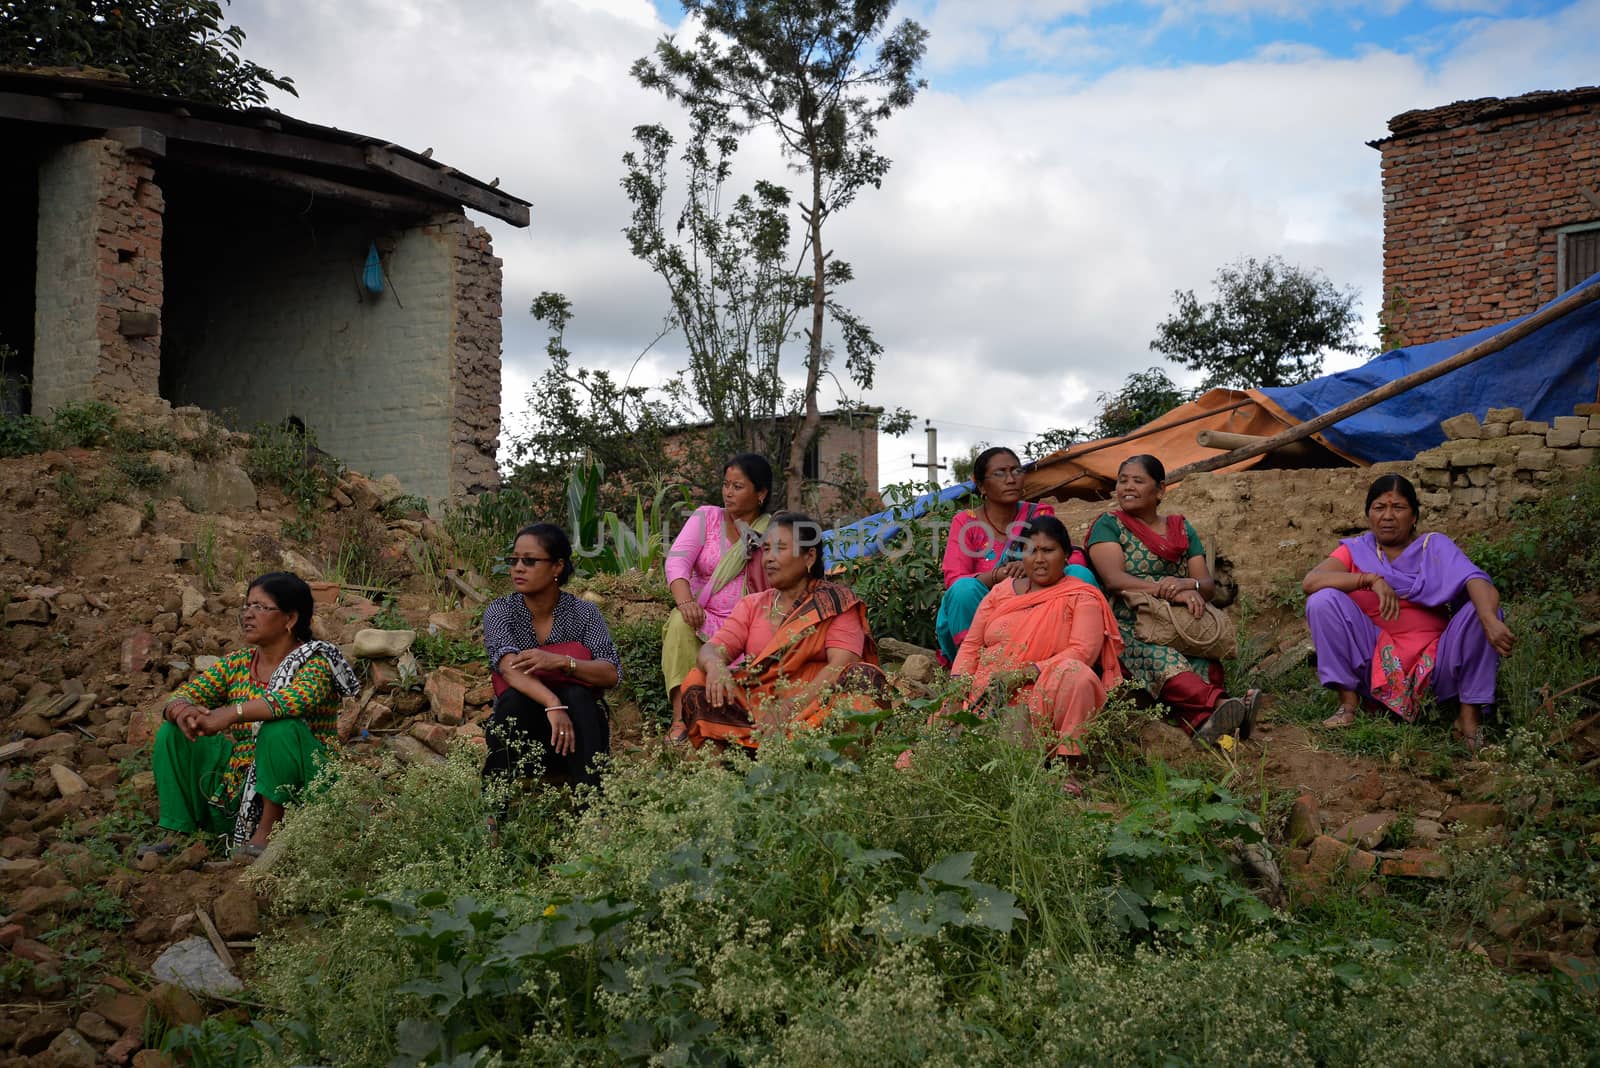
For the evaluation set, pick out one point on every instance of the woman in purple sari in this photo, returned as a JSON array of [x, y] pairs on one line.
[[1388, 617]]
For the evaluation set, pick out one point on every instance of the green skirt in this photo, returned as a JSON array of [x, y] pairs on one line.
[[191, 777]]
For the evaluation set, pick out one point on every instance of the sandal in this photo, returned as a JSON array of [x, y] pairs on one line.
[[248, 851], [1252, 710], [678, 733], [1224, 719], [1345, 717]]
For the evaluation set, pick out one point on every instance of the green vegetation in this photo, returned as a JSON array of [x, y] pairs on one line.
[[288, 458], [902, 585]]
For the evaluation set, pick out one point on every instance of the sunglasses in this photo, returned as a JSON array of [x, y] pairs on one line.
[[528, 561]]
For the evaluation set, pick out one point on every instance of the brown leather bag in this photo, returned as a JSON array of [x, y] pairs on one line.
[[1160, 622]]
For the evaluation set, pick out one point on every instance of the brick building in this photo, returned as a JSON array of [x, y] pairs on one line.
[[217, 257], [1490, 208]]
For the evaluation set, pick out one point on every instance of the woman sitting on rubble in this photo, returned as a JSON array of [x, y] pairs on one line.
[[553, 659], [1137, 550], [805, 646], [1047, 640], [985, 545], [715, 560], [245, 737], [1388, 617]]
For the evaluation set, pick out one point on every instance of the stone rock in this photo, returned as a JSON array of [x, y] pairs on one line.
[[1366, 831], [205, 662], [1461, 426], [1494, 430], [212, 488], [449, 622], [1575, 457], [379, 715], [24, 548], [1305, 820], [71, 1050], [1503, 415], [1476, 816], [1540, 459], [125, 1010], [27, 612], [176, 1006], [917, 668], [481, 694], [68, 782], [97, 1028], [349, 721], [1575, 423], [1415, 864], [33, 725], [191, 857], [447, 696], [191, 602], [1558, 438], [137, 650], [152, 1058], [1589, 439], [41, 900], [433, 735], [411, 751], [373, 644], [1368, 788], [193, 965], [1329, 855], [237, 914], [1530, 426]]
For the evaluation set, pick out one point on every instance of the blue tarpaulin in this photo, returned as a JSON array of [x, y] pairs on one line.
[[867, 536], [1544, 374]]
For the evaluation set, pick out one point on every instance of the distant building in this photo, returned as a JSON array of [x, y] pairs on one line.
[[1490, 208], [840, 469], [223, 258]]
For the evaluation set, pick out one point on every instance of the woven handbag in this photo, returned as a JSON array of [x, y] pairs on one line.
[[1159, 622]]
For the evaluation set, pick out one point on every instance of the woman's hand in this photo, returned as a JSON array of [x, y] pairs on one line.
[[1499, 635], [692, 613], [720, 687], [1191, 599], [530, 660], [1012, 570], [1172, 588], [1388, 600], [562, 738]]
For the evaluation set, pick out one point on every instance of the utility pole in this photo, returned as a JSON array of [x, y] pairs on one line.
[[932, 462]]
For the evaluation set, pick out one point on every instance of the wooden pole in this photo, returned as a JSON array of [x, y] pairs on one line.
[[1565, 306], [1223, 439]]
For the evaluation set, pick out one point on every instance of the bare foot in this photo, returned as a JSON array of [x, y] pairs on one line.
[[1345, 717]]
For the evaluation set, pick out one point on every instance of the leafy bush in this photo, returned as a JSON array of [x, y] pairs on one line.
[[639, 644], [22, 435], [484, 528], [288, 457], [1549, 544], [82, 425]]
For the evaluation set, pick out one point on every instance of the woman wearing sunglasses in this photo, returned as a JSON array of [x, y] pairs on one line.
[[245, 737], [554, 659]]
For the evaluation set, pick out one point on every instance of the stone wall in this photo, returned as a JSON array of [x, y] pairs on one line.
[[272, 322], [475, 350], [1487, 467], [98, 261], [1475, 199]]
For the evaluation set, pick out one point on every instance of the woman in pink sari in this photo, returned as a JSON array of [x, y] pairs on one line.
[[1389, 619], [714, 561], [1045, 640]]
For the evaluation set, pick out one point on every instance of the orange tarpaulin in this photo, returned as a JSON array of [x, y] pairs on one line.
[[1089, 468]]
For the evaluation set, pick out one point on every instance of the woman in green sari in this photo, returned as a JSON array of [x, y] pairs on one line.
[[245, 737], [1136, 550], [715, 560]]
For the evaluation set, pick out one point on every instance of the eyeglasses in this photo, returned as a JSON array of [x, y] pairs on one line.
[[1005, 474], [528, 561], [255, 607]]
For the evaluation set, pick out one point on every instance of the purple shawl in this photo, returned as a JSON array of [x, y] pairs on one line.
[[1432, 572]]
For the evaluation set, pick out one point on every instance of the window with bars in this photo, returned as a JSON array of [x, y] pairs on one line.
[[1577, 255]]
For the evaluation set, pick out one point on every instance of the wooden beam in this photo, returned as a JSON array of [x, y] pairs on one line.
[[1507, 337], [311, 185], [344, 155], [1224, 439], [434, 179]]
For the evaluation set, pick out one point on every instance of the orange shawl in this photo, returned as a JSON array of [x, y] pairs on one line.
[[1040, 627], [794, 657]]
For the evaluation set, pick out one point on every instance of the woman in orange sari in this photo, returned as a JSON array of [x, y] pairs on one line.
[[806, 646], [1045, 640]]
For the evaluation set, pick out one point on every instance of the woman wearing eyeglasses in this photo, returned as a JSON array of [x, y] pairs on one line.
[[555, 658], [245, 737], [985, 545]]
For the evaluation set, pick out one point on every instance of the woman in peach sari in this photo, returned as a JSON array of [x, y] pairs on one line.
[[806, 645], [1045, 640]]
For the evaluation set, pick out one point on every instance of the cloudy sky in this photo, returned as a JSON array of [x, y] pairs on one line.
[[1070, 165]]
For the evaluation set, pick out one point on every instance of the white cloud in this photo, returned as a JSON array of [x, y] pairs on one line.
[[1032, 230]]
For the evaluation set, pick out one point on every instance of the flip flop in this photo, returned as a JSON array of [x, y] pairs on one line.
[[1345, 717], [1252, 710]]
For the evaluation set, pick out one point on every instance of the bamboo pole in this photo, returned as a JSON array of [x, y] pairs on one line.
[[1223, 440], [1488, 347]]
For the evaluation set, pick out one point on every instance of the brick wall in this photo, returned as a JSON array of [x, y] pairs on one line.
[[271, 321], [1475, 198], [855, 437], [98, 257]]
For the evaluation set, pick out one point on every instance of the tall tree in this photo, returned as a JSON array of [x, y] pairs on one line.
[[821, 74], [1269, 325], [1144, 396], [174, 47]]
